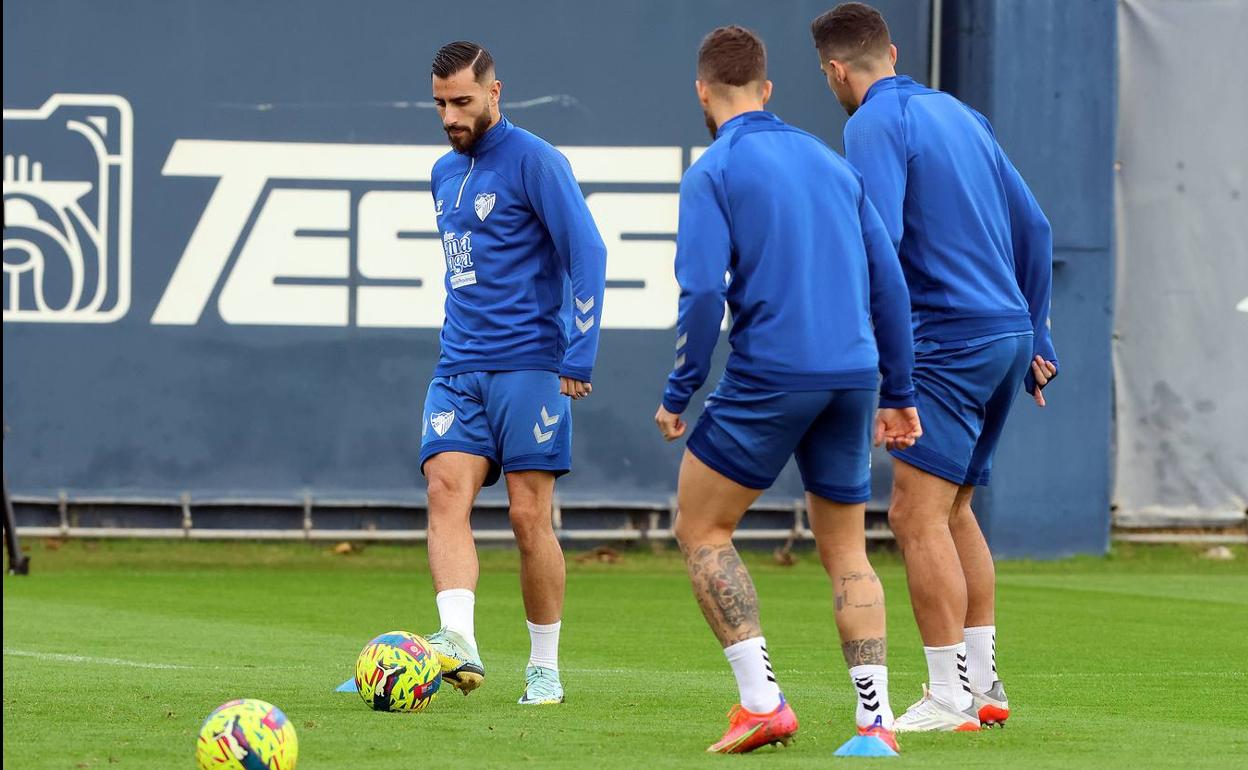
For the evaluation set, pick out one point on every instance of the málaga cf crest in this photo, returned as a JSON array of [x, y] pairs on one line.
[[441, 422], [484, 204]]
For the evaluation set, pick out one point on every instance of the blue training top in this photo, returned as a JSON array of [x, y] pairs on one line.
[[779, 224], [975, 246], [525, 265]]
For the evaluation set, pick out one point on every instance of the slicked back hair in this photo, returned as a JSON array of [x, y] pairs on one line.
[[851, 33], [732, 56], [460, 55]]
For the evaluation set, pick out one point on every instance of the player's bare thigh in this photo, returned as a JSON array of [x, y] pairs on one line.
[[710, 505], [454, 478]]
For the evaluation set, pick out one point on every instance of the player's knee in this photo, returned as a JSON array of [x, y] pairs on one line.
[[692, 530], [904, 520], [530, 523]]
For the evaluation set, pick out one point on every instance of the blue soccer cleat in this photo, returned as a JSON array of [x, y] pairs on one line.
[[461, 664], [541, 687]]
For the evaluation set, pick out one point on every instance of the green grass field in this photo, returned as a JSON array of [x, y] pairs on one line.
[[1137, 660]]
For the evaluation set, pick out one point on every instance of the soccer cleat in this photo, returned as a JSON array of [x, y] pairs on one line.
[[878, 730], [461, 665], [541, 687], [748, 731], [933, 715], [992, 706]]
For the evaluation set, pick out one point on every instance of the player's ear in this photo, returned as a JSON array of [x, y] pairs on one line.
[[892, 54], [701, 90], [842, 72], [496, 90], [766, 91]]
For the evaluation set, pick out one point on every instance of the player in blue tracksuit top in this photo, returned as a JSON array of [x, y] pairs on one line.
[[525, 272], [977, 252], [779, 226]]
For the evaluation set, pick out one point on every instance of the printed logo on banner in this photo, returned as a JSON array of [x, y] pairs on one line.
[[68, 167], [334, 234]]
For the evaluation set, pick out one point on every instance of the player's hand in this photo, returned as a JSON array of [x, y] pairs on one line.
[[897, 428], [670, 425], [1043, 371], [574, 388]]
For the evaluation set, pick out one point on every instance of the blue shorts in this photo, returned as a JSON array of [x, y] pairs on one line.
[[964, 395], [517, 420], [748, 434]]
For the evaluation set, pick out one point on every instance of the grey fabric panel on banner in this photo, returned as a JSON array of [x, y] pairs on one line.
[[1181, 348]]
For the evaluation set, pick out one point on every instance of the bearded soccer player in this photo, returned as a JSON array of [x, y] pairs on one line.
[[977, 253], [525, 271], [819, 310]]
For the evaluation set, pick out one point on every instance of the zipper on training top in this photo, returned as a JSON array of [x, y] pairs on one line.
[[472, 162]]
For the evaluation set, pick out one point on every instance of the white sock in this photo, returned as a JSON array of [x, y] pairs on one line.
[[756, 682], [981, 656], [455, 607], [871, 685], [946, 675], [544, 644]]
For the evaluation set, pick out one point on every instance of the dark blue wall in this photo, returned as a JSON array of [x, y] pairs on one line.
[[132, 408], [1044, 72]]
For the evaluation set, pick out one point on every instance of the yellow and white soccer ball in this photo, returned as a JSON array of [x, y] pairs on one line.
[[398, 671], [247, 735]]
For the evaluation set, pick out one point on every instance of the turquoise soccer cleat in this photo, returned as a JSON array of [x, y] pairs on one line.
[[461, 664], [541, 687]]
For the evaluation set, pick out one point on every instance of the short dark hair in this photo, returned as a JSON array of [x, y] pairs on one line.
[[851, 33], [454, 57], [732, 56]]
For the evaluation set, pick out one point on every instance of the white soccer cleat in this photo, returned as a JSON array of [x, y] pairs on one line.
[[992, 706], [932, 715]]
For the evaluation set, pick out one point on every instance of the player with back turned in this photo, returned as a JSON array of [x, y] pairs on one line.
[[819, 310], [978, 255], [525, 273]]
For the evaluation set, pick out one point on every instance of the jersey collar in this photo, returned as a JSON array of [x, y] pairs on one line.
[[883, 83], [492, 137], [754, 116]]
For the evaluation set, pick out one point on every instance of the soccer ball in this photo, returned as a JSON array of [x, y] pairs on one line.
[[398, 671], [247, 735]]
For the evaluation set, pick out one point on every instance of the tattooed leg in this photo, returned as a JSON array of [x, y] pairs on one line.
[[710, 506], [858, 597], [724, 591]]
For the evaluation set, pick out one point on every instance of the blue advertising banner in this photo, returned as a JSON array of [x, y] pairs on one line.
[[222, 273]]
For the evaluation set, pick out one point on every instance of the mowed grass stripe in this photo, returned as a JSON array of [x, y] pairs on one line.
[[1097, 678]]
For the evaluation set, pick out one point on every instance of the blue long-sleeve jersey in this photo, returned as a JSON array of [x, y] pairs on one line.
[[976, 248], [780, 226], [525, 265]]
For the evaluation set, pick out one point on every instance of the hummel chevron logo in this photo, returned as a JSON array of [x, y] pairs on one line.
[[866, 692], [681, 340], [583, 307], [549, 421]]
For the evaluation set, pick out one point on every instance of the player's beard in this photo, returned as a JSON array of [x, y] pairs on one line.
[[710, 124], [464, 142]]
